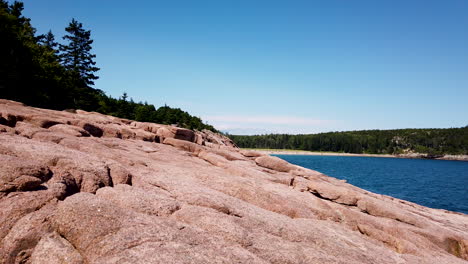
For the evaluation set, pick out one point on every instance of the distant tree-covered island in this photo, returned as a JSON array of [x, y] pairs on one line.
[[434, 142], [39, 71]]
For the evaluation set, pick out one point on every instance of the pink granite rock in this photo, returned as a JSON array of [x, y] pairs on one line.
[[70, 130], [184, 145], [84, 187], [251, 153], [274, 163], [52, 248], [19, 174]]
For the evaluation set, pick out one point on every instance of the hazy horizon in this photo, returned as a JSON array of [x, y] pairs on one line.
[[257, 132], [272, 67]]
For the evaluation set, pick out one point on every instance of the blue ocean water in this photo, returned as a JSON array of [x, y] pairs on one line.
[[433, 183]]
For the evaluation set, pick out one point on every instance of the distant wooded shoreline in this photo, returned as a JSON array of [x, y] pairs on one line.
[[433, 143], [318, 153]]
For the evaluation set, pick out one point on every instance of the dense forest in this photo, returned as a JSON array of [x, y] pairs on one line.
[[428, 141], [39, 71]]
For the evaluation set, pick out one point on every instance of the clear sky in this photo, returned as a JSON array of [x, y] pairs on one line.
[[281, 66]]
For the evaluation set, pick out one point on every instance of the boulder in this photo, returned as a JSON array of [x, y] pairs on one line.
[[17, 205], [119, 174], [176, 133], [274, 163], [213, 158], [306, 173], [81, 174], [378, 208], [183, 134], [54, 249], [333, 193], [18, 244], [145, 136], [42, 121], [21, 175], [165, 132], [250, 153], [183, 145], [229, 155], [27, 129], [149, 127], [92, 129], [117, 131], [199, 138], [69, 130]]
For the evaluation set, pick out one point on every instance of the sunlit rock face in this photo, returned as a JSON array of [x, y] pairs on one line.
[[88, 188]]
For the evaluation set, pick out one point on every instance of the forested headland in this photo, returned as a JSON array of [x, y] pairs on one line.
[[39, 71], [399, 141]]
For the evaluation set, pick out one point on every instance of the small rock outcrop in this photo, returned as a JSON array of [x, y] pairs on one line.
[[82, 187]]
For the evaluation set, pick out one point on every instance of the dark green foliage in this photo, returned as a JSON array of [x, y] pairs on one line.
[[48, 40], [17, 48], [145, 112], [430, 141], [30, 71], [35, 72], [76, 55]]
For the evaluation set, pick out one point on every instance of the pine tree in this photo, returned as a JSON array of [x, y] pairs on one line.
[[17, 54], [48, 40], [76, 56]]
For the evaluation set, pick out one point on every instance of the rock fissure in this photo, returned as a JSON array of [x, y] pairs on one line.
[[404, 222], [160, 187], [71, 244], [317, 194]]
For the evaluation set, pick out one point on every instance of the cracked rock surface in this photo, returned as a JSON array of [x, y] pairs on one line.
[[83, 187]]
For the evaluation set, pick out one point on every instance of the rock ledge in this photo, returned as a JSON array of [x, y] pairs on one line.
[[83, 187]]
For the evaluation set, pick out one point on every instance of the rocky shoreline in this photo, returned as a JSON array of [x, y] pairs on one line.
[[405, 156], [81, 187]]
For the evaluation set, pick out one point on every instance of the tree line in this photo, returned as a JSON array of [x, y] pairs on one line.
[[398, 141], [39, 71]]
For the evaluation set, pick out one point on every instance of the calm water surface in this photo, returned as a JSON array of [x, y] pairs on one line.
[[433, 183]]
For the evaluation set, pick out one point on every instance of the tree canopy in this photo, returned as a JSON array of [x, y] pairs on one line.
[[430, 141], [39, 71], [76, 55]]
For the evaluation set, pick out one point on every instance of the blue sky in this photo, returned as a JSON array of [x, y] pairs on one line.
[[281, 66]]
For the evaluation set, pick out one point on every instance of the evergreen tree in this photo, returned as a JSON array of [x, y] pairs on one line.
[[76, 56], [431, 141], [48, 40], [24, 66], [51, 75], [33, 72], [80, 67]]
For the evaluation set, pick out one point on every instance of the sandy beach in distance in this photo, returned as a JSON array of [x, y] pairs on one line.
[[317, 153]]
